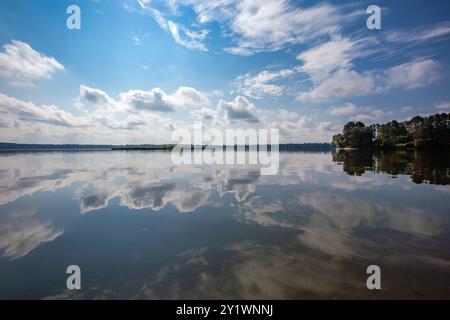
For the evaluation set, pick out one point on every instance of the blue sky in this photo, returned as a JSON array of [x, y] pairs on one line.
[[139, 69]]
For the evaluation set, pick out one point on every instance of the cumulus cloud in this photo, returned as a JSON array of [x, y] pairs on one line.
[[26, 122], [20, 64], [240, 109], [14, 109], [144, 114], [205, 114], [154, 100], [157, 100], [189, 97], [95, 96]]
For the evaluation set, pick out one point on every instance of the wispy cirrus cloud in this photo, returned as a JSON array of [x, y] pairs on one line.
[[342, 83], [350, 83], [338, 53], [182, 35], [331, 69], [188, 38], [262, 84], [436, 31], [266, 25], [251, 25]]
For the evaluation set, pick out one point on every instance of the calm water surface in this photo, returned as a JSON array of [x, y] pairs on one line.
[[142, 228]]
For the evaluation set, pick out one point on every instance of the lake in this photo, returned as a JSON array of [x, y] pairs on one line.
[[140, 227]]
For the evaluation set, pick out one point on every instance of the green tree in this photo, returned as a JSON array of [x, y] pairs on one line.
[[418, 132], [355, 135], [392, 134]]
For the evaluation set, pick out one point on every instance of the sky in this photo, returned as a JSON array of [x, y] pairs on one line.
[[137, 70]]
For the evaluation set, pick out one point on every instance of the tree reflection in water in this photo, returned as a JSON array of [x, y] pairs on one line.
[[426, 166]]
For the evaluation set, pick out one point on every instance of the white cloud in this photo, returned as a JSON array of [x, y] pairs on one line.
[[192, 40], [104, 105], [369, 115], [105, 124], [337, 54], [183, 36], [240, 51], [26, 122], [420, 34], [443, 106], [255, 25], [261, 84], [143, 108], [240, 109], [205, 114], [354, 113], [303, 122], [331, 71], [342, 83], [140, 100], [345, 110], [13, 109], [286, 114], [153, 100], [349, 83], [20, 64], [406, 109], [95, 96], [267, 25], [333, 58], [305, 129], [188, 97], [212, 10], [412, 75]]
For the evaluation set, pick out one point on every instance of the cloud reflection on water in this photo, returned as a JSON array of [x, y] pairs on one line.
[[333, 220]]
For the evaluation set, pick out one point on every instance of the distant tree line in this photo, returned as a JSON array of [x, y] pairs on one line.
[[417, 132], [24, 146], [306, 147], [30, 146], [281, 147]]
